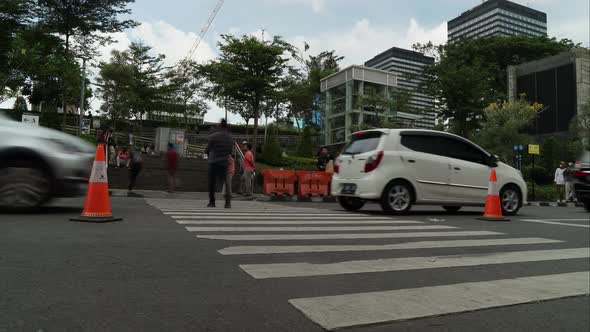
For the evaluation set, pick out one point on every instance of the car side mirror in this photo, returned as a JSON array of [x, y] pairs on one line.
[[492, 161]]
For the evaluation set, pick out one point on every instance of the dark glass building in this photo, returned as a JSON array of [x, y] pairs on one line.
[[408, 65], [497, 18]]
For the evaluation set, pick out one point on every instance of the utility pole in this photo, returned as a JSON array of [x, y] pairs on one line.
[[262, 34], [82, 92]]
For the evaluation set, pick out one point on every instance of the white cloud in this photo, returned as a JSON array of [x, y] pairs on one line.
[[363, 40], [317, 6]]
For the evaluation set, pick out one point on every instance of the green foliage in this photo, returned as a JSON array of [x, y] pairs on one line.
[[544, 192], [581, 125], [471, 74], [292, 163], [20, 105], [305, 148], [246, 72], [504, 126], [271, 151]]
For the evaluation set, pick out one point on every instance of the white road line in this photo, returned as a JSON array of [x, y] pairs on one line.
[[339, 311], [270, 237], [292, 217], [312, 228], [275, 214], [253, 250], [284, 270], [295, 222], [557, 223]]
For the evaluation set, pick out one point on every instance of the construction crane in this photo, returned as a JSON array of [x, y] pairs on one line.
[[204, 30]]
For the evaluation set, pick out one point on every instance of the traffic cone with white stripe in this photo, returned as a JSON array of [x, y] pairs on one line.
[[97, 206], [493, 209]]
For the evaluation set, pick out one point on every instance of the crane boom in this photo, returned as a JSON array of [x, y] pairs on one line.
[[204, 29]]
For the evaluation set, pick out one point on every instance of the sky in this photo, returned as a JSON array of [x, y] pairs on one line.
[[357, 30]]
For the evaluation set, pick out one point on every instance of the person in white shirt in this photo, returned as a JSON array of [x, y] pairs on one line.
[[560, 180]]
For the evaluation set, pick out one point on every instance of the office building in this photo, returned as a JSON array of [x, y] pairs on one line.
[[408, 67], [344, 111], [561, 83], [497, 18]]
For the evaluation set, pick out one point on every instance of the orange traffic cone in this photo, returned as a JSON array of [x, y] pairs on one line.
[[493, 209], [97, 206]]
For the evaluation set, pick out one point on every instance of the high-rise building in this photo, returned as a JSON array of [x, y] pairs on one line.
[[408, 65], [497, 18]]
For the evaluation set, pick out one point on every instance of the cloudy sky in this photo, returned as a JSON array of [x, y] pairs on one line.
[[356, 29]]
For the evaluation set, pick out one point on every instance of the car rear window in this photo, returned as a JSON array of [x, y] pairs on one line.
[[362, 142]]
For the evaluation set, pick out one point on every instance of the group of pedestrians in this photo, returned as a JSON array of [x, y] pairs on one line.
[[222, 164], [564, 179]]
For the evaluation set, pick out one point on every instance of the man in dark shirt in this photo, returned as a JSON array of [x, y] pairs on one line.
[[220, 146], [323, 159]]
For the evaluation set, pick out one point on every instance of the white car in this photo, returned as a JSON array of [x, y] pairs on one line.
[[38, 163], [402, 167]]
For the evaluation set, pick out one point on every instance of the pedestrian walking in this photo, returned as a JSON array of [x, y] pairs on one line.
[[325, 161], [231, 169], [220, 146], [241, 189], [123, 158], [171, 166], [568, 177], [135, 166], [108, 140], [560, 181], [249, 167]]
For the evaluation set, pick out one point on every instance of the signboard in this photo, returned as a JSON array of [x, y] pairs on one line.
[[96, 123], [534, 149], [31, 119], [179, 139]]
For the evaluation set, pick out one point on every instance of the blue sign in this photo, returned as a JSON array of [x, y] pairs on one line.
[[515, 148], [521, 147]]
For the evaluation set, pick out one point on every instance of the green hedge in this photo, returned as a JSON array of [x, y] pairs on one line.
[[295, 163]]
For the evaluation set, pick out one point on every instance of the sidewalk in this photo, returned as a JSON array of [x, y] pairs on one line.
[[555, 204]]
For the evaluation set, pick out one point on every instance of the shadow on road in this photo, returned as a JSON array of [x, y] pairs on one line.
[[43, 210]]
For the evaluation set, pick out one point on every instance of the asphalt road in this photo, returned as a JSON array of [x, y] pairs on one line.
[[150, 273]]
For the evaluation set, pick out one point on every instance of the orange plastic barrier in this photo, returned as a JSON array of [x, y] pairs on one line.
[[277, 182], [314, 183]]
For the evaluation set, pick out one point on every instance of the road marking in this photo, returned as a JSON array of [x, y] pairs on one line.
[[558, 223], [284, 270], [312, 228], [339, 311], [295, 222], [273, 214], [264, 237], [253, 250], [291, 217]]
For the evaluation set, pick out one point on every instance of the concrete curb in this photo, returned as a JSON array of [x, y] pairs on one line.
[[555, 204]]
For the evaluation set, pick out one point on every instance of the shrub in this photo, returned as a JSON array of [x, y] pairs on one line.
[[271, 152], [305, 148]]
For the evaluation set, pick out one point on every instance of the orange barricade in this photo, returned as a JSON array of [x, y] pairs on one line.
[[313, 183], [277, 182]]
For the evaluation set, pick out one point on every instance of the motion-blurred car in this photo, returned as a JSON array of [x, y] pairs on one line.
[[403, 167], [38, 163], [582, 179]]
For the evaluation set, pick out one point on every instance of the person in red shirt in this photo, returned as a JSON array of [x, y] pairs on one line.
[[249, 167], [171, 166], [231, 169]]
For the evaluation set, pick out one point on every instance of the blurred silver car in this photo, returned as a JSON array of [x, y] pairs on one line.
[[38, 163]]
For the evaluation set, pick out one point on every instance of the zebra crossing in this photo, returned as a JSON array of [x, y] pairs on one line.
[[260, 231]]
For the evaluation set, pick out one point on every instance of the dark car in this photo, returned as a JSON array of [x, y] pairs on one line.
[[582, 179]]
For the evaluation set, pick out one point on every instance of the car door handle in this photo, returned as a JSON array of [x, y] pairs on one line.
[[411, 161], [457, 168]]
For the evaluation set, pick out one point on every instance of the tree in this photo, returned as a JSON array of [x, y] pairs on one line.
[[184, 89], [305, 147], [115, 83], [271, 152], [247, 71], [20, 105], [505, 125], [472, 73], [581, 124]]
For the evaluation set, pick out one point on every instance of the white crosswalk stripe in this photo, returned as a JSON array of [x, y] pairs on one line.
[[308, 232]]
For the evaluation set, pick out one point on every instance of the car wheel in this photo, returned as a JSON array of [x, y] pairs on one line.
[[510, 199], [452, 208], [23, 185], [351, 203], [397, 198]]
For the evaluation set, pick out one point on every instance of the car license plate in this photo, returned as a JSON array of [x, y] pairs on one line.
[[348, 189]]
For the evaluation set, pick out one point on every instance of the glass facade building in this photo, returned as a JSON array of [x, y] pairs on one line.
[[408, 66], [497, 18], [343, 111]]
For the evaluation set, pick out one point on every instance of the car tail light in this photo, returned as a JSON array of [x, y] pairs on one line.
[[337, 165], [581, 174], [373, 161]]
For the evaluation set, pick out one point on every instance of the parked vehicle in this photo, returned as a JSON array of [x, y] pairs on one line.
[[403, 167], [37, 164], [582, 179]]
